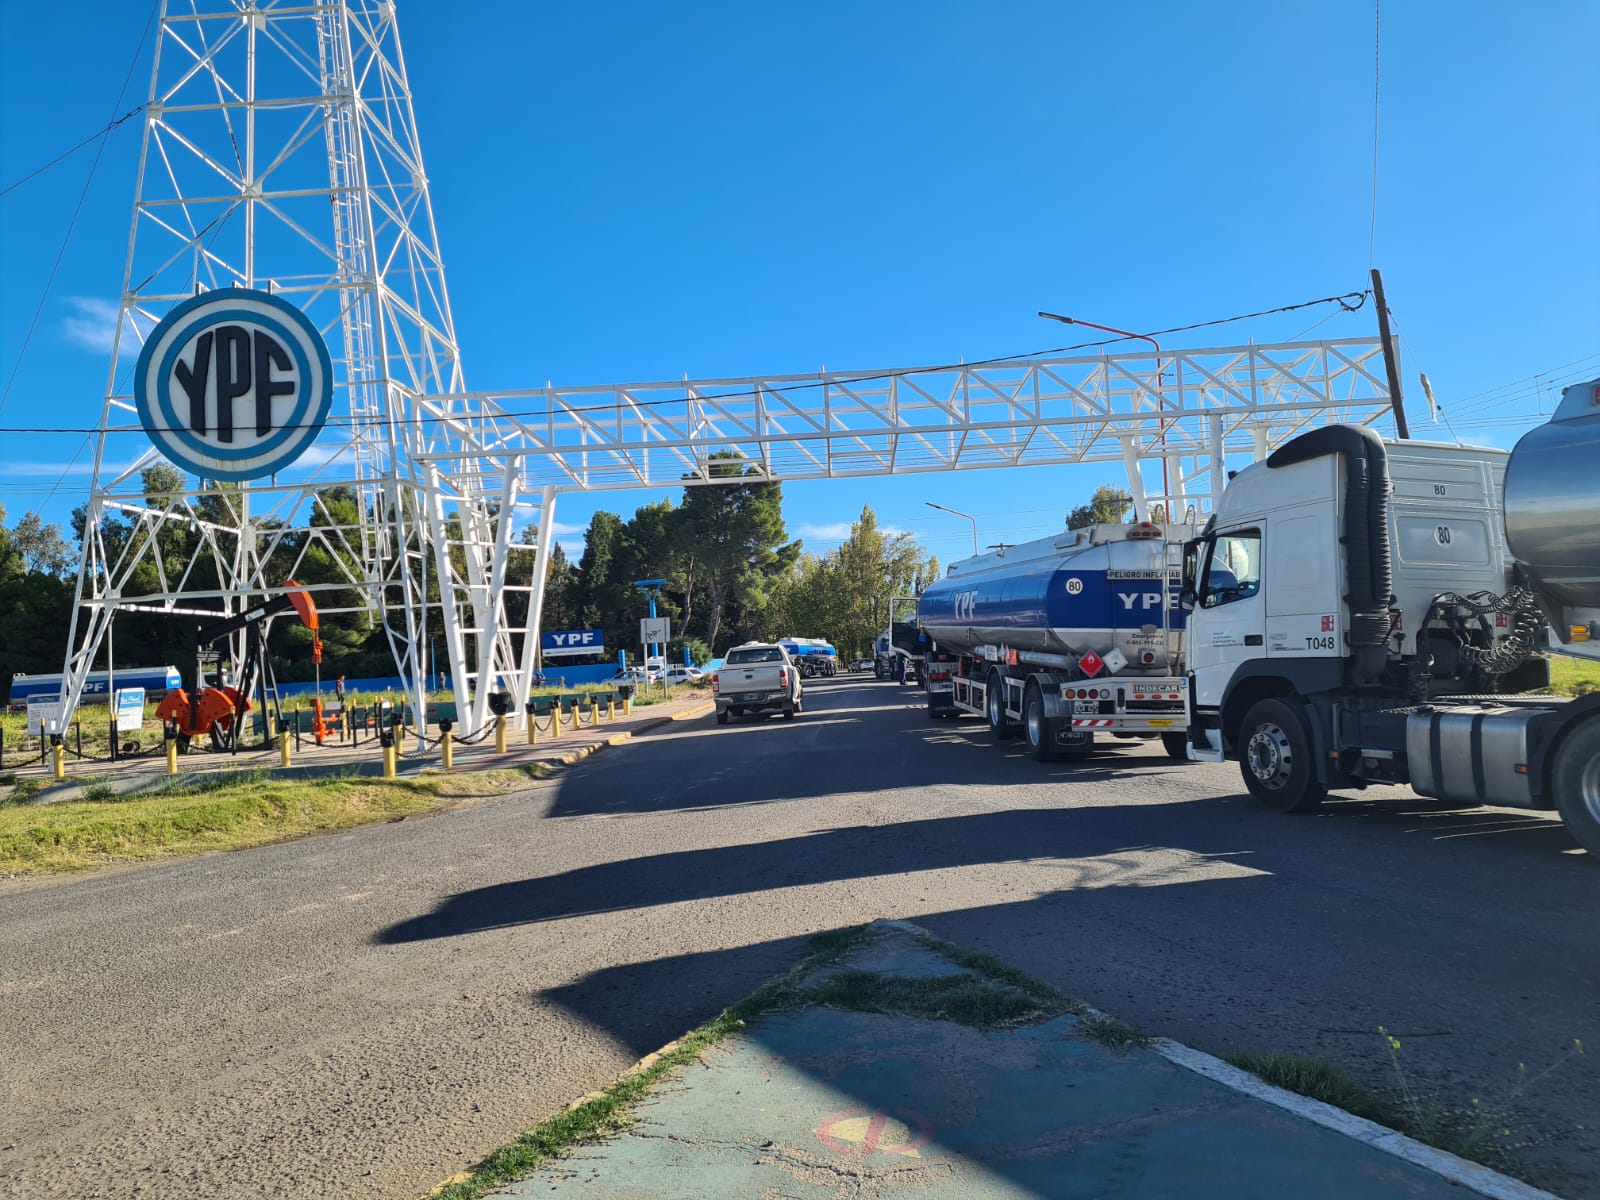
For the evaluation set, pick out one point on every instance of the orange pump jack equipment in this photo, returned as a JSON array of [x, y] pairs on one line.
[[219, 711]]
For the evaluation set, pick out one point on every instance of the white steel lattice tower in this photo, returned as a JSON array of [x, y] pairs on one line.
[[281, 153]]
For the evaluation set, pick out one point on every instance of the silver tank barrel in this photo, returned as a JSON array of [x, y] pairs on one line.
[[1552, 498]]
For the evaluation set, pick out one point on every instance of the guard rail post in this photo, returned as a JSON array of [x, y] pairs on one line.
[[386, 740], [396, 732]]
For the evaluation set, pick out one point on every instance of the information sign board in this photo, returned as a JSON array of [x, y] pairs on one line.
[[129, 709]]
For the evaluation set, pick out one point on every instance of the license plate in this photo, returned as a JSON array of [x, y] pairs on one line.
[[941, 687], [752, 695]]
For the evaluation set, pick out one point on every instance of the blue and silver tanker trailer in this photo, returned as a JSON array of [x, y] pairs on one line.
[[1065, 637]]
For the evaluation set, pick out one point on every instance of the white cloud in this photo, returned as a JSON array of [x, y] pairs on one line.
[[838, 531], [95, 325], [82, 467]]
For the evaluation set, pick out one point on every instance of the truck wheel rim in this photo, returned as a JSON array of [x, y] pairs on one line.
[[1589, 789], [994, 707], [1269, 756], [1035, 724]]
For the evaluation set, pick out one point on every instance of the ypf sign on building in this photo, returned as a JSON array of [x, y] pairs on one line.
[[234, 384]]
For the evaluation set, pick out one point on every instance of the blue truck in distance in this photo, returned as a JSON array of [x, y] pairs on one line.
[[156, 681]]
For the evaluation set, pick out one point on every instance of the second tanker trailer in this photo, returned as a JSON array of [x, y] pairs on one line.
[[1063, 638]]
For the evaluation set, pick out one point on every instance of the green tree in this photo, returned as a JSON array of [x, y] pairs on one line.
[[41, 546], [740, 547], [843, 595], [1108, 505]]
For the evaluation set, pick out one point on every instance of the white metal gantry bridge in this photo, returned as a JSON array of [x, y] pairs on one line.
[[280, 152]]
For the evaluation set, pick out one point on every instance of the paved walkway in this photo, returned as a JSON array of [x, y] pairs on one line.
[[366, 758], [819, 1103]]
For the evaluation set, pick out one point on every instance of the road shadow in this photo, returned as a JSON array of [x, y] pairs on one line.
[[826, 856]]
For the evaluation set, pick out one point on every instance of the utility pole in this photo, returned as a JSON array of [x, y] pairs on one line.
[[1391, 361]]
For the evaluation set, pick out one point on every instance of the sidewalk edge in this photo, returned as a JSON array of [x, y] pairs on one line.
[[1485, 1181], [616, 739]]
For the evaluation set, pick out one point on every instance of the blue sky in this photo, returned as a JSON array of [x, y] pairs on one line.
[[635, 192]]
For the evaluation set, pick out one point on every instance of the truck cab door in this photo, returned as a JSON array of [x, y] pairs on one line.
[[1228, 624]]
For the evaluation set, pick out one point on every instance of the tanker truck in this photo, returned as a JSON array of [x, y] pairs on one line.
[[1370, 612], [1064, 638]]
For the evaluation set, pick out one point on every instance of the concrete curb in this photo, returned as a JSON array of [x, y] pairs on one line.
[[617, 739], [1460, 1171]]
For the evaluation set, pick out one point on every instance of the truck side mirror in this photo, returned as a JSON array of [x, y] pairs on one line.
[[1187, 600]]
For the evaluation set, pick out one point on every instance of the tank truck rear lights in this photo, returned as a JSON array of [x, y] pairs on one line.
[[1144, 529]]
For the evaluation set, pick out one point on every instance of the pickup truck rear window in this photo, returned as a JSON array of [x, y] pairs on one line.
[[742, 658]]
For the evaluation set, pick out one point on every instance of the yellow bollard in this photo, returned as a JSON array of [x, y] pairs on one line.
[[533, 728], [611, 708], [283, 745], [390, 766], [555, 719], [172, 756], [627, 706], [449, 749], [58, 761], [500, 735], [574, 716]]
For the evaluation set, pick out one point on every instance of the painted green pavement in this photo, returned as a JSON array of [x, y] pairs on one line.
[[820, 1103]]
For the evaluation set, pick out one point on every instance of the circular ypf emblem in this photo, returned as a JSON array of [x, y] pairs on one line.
[[1074, 586], [234, 384]]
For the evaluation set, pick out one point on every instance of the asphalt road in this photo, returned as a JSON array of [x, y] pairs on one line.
[[364, 1014]]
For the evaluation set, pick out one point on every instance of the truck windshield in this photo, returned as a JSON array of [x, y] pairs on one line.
[[741, 658]]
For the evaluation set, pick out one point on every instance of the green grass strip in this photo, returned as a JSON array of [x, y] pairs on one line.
[[611, 1111], [222, 811], [1466, 1135]]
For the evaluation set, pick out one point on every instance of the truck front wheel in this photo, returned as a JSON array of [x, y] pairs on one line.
[[1575, 781], [1275, 757], [1176, 745]]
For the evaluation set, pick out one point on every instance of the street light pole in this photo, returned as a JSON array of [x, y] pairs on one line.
[[1166, 484], [969, 517]]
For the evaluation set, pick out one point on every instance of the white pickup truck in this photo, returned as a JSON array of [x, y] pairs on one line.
[[757, 677]]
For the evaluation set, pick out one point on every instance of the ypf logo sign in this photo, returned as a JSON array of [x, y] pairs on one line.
[[234, 384]]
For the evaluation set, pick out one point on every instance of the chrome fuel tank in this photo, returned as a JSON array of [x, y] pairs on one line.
[[1552, 500]]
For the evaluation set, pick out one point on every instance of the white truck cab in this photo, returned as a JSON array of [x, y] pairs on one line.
[[1358, 614]]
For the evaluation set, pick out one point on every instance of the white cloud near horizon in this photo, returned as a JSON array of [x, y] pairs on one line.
[[839, 531], [95, 325]]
